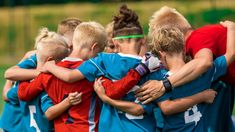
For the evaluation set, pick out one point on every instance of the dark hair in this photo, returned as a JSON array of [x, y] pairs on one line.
[[126, 23]]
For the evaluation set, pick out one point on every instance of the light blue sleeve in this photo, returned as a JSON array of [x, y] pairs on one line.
[[92, 68], [29, 63], [12, 94], [148, 108], [46, 101], [219, 67]]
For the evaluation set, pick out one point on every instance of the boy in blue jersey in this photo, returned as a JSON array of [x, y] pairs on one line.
[[49, 45]]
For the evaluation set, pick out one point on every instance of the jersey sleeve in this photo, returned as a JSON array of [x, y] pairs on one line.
[[46, 101], [29, 90], [200, 41], [29, 63], [12, 95], [92, 68], [118, 89], [219, 67]]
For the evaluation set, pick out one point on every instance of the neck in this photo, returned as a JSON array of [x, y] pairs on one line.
[[175, 63], [188, 33], [129, 48], [39, 64], [77, 53]]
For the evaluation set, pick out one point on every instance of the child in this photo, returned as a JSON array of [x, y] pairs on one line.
[[168, 45], [33, 111], [110, 47], [83, 117]]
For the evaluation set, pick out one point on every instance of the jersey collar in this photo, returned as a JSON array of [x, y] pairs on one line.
[[71, 59], [131, 56]]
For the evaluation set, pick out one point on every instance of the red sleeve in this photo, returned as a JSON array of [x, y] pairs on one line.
[[118, 89], [29, 90], [198, 41]]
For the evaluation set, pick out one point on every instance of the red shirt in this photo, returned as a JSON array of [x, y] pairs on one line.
[[213, 37], [82, 117]]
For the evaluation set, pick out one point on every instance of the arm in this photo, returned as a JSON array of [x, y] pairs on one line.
[[29, 90], [170, 107], [16, 73], [56, 110], [62, 73], [230, 48], [6, 88], [128, 107]]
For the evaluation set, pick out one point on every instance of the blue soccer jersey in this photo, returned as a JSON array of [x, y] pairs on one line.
[[190, 119], [30, 114], [11, 119], [116, 66]]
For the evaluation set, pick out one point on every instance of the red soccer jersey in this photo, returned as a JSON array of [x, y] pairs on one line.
[[213, 37], [82, 117]]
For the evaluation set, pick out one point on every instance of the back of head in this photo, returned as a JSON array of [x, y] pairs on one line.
[[88, 33], [126, 23], [68, 25], [167, 39], [167, 16], [51, 44]]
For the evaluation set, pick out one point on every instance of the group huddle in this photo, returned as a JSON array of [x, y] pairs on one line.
[[89, 78]]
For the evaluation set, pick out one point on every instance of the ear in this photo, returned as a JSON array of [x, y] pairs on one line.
[[49, 58], [162, 53], [94, 46], [144, 40]]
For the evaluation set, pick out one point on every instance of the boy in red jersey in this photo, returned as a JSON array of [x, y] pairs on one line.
[[82, 117]]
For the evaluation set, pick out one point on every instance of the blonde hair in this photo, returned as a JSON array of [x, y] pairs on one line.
[[167, 16], [88, 33], [51, 44], [109, 29], [167, 39], [68, 25]]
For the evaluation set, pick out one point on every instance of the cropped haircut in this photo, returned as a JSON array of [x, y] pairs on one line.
[[167, 16], [88, 33], [51, 44], [68, 25], [167, 39]]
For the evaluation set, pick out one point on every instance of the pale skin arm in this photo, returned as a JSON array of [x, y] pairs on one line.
[[6, 88], [64, 74], [56, 110], [16, 73], [170, 107], [128, 107]]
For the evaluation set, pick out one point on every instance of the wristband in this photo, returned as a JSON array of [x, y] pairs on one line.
[[142, 69], [167, 85]]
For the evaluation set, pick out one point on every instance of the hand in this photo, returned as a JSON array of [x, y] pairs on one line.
[[46, 66], [228, 24], [152, 62], [150, 91], [209, 95], [75, 98], [99, 89]]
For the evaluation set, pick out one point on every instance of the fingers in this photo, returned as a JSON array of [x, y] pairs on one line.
[[75, 98]]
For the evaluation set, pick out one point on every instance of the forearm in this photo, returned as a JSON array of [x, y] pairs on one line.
[[6, 88], [19, 74], [202, 62], [170, 107], [65, 74], [125, 106], [57, 110], [118, 89]]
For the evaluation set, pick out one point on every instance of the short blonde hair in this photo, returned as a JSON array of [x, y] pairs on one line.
[[167, 39], [88, 33], [109, 29], [68, 25], [167, 16], [51, 44]]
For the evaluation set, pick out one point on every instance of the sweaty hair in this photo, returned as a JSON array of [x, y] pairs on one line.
[[68, 25], [167, 16], [126, 23], [167, 39], [50, 44], [88, 33]]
